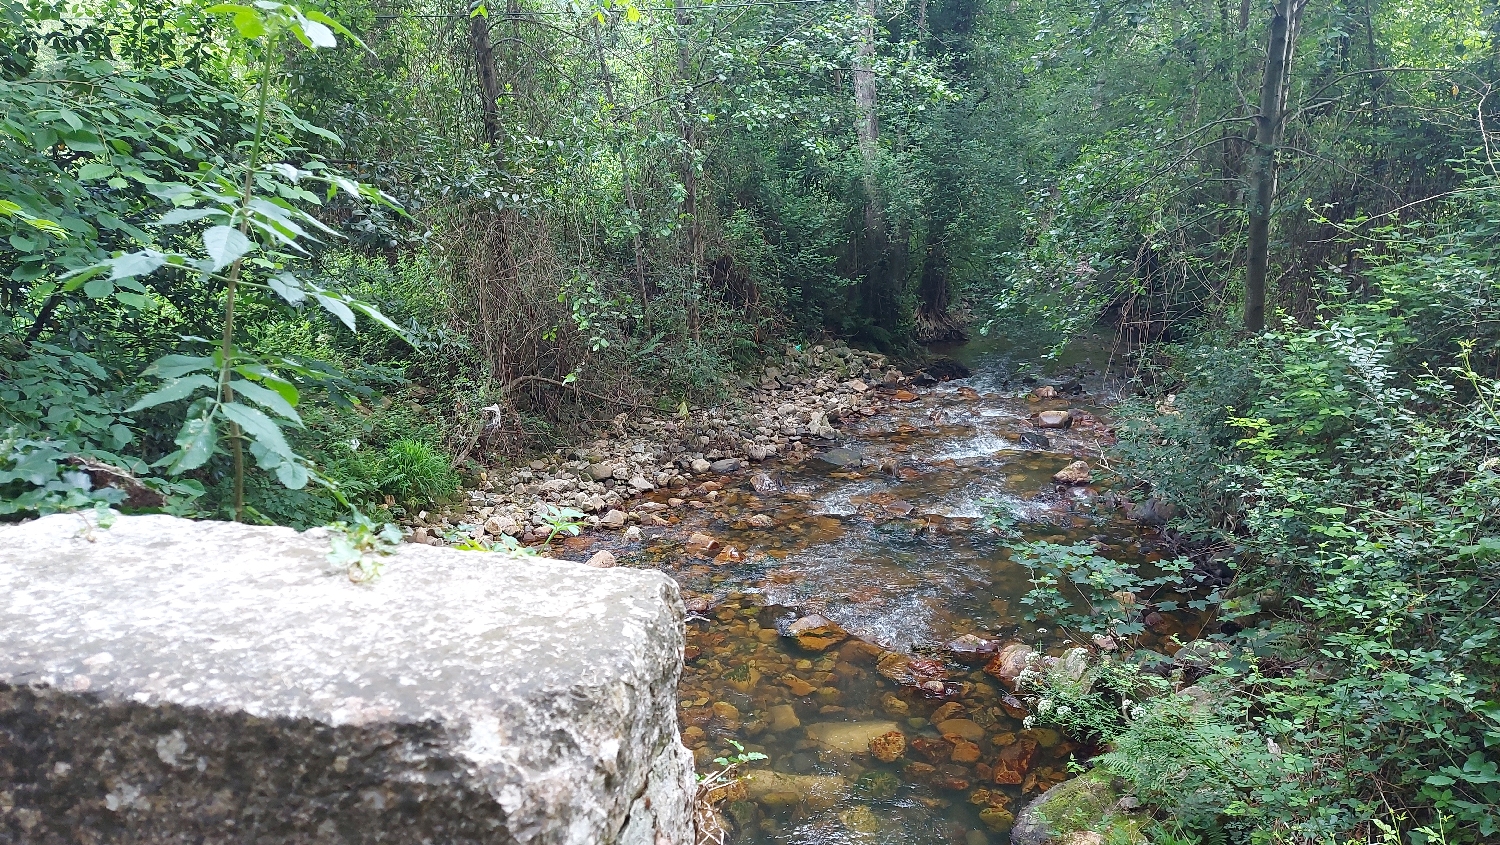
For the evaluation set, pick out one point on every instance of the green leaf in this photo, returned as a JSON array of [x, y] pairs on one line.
[[224, 245], [247, 21], [267, 398], [260, 427], [99, 288], [338, 308], [133, 264], [292, 475], [183, 215], [173, 366], [94, 170], [288, 287], [172, 391], [196, 439]]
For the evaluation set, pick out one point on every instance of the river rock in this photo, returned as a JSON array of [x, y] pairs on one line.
[[848, 737], [970, 648], [208, 682], [1054, 419], [777, 789], [1036, 440], [965, 728], [841, 458], [816, 633], [1153, 511], [888, 746], [1083, 805], [497, 525], [1009, 662], [783, 718], [1077, 472]]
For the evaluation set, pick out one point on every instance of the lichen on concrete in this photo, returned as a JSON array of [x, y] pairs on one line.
[[171, 681]]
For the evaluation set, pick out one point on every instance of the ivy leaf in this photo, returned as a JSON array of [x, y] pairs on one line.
[[225, 245], [176, 389]]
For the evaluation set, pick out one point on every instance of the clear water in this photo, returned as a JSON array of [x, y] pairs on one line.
[[900, 559]]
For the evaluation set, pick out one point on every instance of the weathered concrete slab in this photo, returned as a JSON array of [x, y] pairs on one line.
[[168, 681]]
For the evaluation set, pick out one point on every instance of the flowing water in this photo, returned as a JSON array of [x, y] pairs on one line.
[[894, 548]]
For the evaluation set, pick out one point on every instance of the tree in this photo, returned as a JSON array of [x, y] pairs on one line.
[[1269, 127]]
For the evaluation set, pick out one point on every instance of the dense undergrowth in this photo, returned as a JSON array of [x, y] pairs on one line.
[[1349, 472]]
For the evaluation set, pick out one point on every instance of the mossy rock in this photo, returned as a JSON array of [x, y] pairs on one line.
[[1085, 804]]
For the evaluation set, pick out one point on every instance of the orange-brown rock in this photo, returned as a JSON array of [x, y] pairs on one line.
[[888, 746], [700, 544], [932, 750], [1014, 707], [947, 711], [916, 770], [816, 633], [798, 686], [1077, 472], [1014, 762], [1008, 663], [964, 751]]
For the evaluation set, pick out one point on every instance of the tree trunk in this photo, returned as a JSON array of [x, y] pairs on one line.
[[874, 257], [484, 68], [689, 169], [1286, 18]]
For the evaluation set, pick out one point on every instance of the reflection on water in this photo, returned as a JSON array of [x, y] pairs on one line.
[[895, 552]]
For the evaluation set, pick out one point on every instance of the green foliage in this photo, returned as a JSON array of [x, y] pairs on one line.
[[358, 547], [1358, 471], [414, 474], [1076, 588]]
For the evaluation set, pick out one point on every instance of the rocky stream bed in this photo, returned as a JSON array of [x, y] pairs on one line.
[[851, 614]]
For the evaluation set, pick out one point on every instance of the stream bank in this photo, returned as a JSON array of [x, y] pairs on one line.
[[852, 616]]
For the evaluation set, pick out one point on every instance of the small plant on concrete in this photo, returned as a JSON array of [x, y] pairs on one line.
[[358, 547], [560, 521]]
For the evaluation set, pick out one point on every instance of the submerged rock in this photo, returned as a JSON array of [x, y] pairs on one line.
[[841, 458], [231, 674], [888, 746], [849, 737], [816, 633], [778, 789]]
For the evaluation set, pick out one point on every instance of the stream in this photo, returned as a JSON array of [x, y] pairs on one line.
[[886, 536]]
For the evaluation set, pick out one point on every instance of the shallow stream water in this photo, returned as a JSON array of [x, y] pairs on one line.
[[895, 549]]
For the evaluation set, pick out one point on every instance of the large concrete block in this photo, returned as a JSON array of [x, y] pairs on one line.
[[169, 681]]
